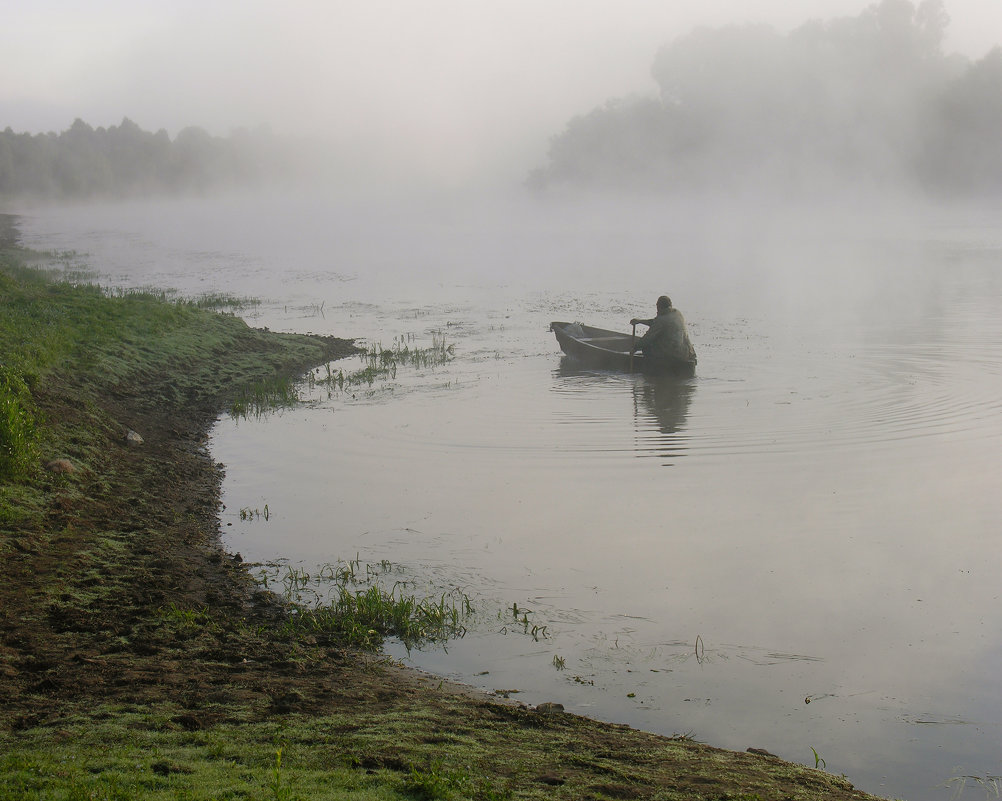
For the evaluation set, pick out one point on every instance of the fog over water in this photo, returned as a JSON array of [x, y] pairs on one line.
[[813, 517]]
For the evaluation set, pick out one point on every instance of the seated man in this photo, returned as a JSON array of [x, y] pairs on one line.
[[667, 338]]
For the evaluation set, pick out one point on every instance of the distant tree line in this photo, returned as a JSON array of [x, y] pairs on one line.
[[123, 160], [867, 100]]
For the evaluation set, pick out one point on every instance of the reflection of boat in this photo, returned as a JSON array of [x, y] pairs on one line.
[[660, 404], [610, 350]]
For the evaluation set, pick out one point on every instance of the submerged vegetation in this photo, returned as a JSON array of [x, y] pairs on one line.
[[344, 601], [221, 301], [380, 362], [274, 392]]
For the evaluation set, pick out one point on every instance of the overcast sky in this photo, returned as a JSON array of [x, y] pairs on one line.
[[451, 88]]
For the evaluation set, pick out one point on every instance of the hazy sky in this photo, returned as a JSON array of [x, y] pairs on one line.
[[453, 89]]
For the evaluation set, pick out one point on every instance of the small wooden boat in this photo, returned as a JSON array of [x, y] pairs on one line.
[[610, 350]]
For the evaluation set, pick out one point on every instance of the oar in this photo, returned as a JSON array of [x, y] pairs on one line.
[[633, 341]]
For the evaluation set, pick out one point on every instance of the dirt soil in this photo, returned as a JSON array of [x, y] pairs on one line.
[[90, 603]]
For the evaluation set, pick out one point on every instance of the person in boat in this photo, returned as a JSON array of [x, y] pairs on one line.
[[667, 338]]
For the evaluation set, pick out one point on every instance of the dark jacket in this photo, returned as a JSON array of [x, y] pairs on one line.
[[667, 338]]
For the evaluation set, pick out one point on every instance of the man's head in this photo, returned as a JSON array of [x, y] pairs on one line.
[[664, 303]]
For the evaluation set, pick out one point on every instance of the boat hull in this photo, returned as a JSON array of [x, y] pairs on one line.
[[610, 350]]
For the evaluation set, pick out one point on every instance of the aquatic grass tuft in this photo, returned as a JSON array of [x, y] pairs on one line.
[[221, 301], [248, 514], [383, 363], [369, 616], [279, 392], [348, 602], [520, 617]]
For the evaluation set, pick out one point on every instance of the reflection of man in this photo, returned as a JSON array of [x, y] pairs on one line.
[[666, 339], [666, 401]]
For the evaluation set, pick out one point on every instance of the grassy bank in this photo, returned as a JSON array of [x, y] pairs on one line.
[[138, 660]]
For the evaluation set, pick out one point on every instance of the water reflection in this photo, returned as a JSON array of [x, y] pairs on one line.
[[660, 408], [660, 405]]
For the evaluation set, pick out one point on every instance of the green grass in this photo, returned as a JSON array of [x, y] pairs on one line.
[[17, 425], [409, 752], [49, 323], [151, 756], [435, 782]]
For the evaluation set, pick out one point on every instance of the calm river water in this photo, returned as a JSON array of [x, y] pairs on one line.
[[797, 549]]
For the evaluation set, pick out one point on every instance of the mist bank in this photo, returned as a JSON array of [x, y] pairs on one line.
[[124, 161], [870, 102], [833, 109]]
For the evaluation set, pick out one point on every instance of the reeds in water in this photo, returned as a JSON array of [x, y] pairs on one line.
[[348, 601], [265, 396], [383, 363]]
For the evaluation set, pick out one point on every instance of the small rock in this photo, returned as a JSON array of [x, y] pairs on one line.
[[133, 438], [60, 466], [550, 708]]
